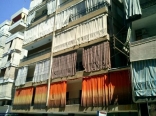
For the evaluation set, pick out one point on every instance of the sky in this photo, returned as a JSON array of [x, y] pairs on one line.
[[9, 7]]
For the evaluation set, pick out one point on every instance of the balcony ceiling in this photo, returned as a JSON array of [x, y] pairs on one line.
[[79, 80], [144, 22]]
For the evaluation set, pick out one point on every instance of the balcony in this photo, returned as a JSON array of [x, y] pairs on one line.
[[81, 11], [17, 26], [73, 101], [86, 11], [64, 3], [4, 34], [6, 93], [147, 4], [40, 53], [18, 14], [143, 49], [14, 36], [143, 37], [38, 56], [34, 4], [148, 8], [38, 38]]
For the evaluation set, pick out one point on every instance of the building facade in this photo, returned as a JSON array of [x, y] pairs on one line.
[[75, 64], [11, 54], [78, 60], [142, 58]]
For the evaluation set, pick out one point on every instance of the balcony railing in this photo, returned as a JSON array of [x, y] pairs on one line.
[[148, 4], [73, 101], [64, 3], [40, 53], [36, 4], [85, 11], [20, 22], [39, 17]]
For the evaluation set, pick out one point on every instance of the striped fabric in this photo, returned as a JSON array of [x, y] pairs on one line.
[[57, 97], [95, 91], [41, 72], [23, 98], [120, 87], [96, 57], [64, 65], [144, 78], [102, 90], [40, 97]]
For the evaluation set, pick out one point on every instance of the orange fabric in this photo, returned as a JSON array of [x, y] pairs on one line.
[[23, 98], [40, 97], [120, 87], [95, 91], [102, 90], [57, 97]]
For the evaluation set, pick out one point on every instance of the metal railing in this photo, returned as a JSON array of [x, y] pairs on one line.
[[73, 101], [42, 15], [64, 3], [85, 11], [40, 53], [29, 79], [148, 4]]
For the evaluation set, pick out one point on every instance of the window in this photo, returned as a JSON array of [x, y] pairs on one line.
[[79, 66], [141, 34]]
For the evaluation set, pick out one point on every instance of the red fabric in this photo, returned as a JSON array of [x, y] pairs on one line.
[[17, 18], [95, 91], [102, 90], [57, 97], [40, 97], [120, 87]]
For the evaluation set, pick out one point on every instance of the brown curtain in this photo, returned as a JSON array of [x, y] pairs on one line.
[[103, 90], [96, 57], [64, 65], [40, 97], [95, 91], [23, 98], [57, 97]]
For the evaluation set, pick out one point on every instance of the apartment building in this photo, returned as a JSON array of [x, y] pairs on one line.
[[77, 61], [4, 27], [11, 52], [142, 57]]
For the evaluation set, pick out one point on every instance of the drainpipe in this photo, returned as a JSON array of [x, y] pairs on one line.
[[51, 58]]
